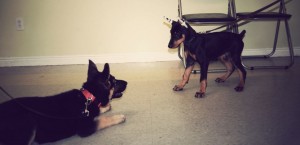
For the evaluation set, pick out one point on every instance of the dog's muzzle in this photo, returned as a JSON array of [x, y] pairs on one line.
[[172, 44], [119, 88]]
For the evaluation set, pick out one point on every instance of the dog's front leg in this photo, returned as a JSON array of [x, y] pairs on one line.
[[107, 121], [203, 80], [185, 78], [106, 108]]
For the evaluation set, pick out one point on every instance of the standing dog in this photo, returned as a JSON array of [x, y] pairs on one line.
[[47, 119], [202, 48]]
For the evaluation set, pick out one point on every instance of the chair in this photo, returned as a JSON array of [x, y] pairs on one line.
[[201, 19], [263, 15]]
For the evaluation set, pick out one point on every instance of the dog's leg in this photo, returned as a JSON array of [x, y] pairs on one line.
[[106, 108], [190, 63], [227, 62], [242, 74], [185, 78], [107, 121], [203, 79]]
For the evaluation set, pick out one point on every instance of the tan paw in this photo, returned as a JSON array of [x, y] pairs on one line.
[[107, 121], [117, 119], [106, 108]]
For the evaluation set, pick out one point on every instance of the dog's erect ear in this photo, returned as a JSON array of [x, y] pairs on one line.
[[92, 70], [106, 71], [182, 22]]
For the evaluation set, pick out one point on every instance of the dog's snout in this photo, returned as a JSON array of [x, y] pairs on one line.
[[171, 44]]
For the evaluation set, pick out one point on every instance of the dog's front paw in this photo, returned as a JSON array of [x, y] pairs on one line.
[[199, 94], [239, 88], [119, 118], [107, 121], [106, 108], [177, 88]]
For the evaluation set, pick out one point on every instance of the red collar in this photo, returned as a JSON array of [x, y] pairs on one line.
[[89, 96]]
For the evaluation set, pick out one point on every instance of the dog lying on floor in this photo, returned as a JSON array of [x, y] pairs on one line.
[[202, 48], [26, 120]]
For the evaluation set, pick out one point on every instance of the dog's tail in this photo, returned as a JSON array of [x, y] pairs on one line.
[[242, 34]]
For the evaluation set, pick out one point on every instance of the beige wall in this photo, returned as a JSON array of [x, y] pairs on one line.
[[98, 27]]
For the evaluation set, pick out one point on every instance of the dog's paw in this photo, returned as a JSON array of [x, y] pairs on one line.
[[107, 121], [177, 88], [199, 94], [219, 80], [104, 109], [119, 118], [239, 89]]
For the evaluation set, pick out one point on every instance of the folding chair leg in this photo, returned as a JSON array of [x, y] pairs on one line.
[[275, 40], [290, 45]]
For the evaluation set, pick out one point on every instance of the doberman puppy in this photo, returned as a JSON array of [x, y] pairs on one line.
[[202, 48]]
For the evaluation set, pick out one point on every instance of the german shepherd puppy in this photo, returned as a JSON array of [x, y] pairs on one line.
[[202, 48], [26, 120]]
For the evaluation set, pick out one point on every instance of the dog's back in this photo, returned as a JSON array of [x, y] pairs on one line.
[[218, 43], [47, 118]]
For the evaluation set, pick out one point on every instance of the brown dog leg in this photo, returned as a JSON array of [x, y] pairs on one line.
[[203, 85], [241, 84], [185, 79], [104, 109], [107, 121]]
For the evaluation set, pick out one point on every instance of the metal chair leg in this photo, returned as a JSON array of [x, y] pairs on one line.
[[290, 45]]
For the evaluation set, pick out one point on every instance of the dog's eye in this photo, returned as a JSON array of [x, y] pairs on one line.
[[177, 34]]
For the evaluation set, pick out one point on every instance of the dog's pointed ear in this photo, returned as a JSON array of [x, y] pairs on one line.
[[106, 71], [92, 70], [182, 22]]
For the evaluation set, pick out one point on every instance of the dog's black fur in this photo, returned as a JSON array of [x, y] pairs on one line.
[[46, 119], [202, 48]]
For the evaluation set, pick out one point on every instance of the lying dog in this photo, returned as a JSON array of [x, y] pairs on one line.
[[47, 119], [202, 48]]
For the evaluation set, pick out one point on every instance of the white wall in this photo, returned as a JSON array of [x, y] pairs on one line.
[[72, 31]]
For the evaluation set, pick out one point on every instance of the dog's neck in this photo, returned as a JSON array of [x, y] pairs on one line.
[[190, 34], [88, 95], [89, 99]]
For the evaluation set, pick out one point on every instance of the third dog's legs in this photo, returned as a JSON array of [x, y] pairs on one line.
[[185, 78]]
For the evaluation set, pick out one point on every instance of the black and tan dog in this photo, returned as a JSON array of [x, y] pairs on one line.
[[26, 120], [202, 48]]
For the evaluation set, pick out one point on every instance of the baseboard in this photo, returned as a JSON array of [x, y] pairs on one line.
[[280, 52], [118, 58], [83, 59]]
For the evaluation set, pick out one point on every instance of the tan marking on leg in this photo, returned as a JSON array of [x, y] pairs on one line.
[[229, 68], [104, 109], [242, 81], [107, 121], [185, 78], [203, 85]]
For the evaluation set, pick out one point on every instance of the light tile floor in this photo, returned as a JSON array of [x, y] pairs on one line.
[[266, 113]]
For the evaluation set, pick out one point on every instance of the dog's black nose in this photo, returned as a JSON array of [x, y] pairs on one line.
[[170, 45], [119, 88]]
